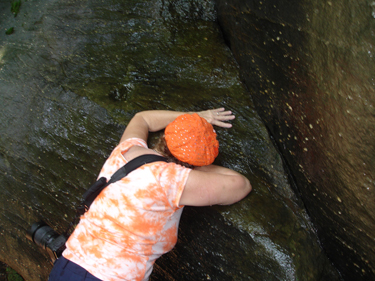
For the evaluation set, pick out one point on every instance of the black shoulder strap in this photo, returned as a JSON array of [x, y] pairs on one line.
[[94, 190], [134, 164], [90, 195]]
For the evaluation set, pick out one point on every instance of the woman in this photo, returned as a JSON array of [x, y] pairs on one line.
[[135, 220]]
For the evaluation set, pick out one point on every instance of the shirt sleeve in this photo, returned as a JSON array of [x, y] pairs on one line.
[[173, 179], [116, 160]]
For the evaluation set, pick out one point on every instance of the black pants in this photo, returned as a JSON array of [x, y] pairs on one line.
[[64, 270]]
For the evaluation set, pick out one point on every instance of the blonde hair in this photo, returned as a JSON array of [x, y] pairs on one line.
[[162, 148]]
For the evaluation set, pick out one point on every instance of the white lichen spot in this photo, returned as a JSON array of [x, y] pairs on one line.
[[339, 199], [290, 108], [311, 126], [305, 149], [373, 9]]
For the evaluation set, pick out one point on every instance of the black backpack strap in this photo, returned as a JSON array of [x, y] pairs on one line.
[[94, 190], [90, 195], [134, 164]]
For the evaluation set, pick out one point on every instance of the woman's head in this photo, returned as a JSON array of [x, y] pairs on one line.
[[191, 139], [162, 148]]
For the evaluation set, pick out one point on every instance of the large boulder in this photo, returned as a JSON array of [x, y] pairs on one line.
[[73, 73], [309, 66]]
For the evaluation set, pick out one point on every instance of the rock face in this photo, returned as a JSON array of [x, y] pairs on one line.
[[74, 72], [310, 69]]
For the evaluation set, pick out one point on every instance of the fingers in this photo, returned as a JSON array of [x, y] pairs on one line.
[[225, 114], [218, 110], [222, 124], [220, 116]]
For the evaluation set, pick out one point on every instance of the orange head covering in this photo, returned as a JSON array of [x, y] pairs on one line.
[[191, 139]]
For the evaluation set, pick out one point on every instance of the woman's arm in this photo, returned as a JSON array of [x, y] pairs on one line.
[[207, 185], [148, 121], [214, 185], [155, 120]]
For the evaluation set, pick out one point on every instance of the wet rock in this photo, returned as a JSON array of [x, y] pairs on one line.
[[310, 68], [72, 76]]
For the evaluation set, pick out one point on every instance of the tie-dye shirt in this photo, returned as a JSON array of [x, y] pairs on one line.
[[132, 222]]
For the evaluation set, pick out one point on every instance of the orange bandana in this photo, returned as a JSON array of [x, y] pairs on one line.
[[191, 139]]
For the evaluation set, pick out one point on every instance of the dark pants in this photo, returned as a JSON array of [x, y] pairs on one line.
[[64, 270]]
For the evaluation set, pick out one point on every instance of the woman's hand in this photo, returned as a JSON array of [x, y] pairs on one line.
[[217, 117]]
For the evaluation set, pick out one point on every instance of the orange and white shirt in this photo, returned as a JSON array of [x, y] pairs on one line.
[[132, 222]]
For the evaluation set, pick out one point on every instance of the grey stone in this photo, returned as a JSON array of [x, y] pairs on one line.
[[309, 66], [72, 75]]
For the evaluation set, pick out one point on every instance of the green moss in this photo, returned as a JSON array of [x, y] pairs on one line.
[[15, 8], [12, 275], [9, 31]]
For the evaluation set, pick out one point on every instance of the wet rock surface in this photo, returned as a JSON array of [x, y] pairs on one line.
[[310, 68], [72, 75]]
